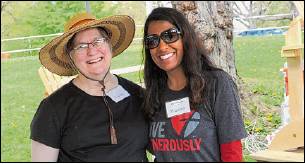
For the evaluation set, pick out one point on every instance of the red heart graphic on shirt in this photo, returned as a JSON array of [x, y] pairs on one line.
[[178, 122]]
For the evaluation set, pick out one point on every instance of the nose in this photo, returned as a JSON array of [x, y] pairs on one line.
[[91, 50], [162, 45]]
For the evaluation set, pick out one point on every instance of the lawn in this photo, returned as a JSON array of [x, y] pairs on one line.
[[258, 62]]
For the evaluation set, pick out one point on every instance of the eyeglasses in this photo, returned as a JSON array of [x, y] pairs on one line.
[[83, 47], [168, 36]]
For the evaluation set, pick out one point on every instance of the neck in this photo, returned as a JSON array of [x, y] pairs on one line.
[[176, 79], [94, 88]]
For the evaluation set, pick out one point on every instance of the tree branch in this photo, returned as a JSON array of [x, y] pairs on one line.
[[243, 22], [245, 6]]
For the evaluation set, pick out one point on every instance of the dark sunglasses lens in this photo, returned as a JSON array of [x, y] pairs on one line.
[[170, 36], [151, 42]]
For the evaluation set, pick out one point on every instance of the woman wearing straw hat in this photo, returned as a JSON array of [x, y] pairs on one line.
[[97, 116]]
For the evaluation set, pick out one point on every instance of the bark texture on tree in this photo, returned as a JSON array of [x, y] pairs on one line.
[[213, 23]]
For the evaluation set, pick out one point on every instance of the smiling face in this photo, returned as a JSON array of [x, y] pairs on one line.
[[95, 60], [168, 57]]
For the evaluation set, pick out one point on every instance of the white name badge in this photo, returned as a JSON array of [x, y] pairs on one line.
[[118, 93], [177, 107]]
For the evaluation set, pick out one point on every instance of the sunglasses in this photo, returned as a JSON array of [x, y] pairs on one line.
[[168, 36]]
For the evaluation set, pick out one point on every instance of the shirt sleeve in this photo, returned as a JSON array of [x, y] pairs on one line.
[[45, 126], [231, 152], [229, 122]]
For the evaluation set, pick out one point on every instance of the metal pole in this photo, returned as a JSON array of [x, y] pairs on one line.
[[87, 7]]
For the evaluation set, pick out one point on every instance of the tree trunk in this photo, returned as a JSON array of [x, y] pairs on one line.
[[213, 23]]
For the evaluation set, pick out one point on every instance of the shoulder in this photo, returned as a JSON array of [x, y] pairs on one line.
[[60, 96], [219, 76], [56, 105], [62, 92], [219, 81]]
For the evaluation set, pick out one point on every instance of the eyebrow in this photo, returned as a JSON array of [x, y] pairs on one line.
[[90, 42], [162, 31]]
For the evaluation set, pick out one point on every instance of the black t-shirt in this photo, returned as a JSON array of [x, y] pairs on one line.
[[196, 136], [77, 124]]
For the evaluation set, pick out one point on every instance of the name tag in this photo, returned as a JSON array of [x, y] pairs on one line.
[[177, 107], [118, 93]]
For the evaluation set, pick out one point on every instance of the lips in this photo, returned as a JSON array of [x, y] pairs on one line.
[[94, 60], [166, 56]]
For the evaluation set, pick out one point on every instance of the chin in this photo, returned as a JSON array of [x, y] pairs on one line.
[[167, 68]]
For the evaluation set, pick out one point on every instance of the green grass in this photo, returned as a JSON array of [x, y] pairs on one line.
[[257, 59], [258, 62], [130, 57], [247, 158], [21, 92]]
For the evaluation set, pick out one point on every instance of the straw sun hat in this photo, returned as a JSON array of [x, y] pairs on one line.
[[53, 56]]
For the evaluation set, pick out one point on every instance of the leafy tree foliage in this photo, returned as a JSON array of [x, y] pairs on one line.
[[46, 17], [19, 19], [51, 17]]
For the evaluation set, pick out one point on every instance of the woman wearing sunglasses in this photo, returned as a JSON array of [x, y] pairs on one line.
[[193, 106], [97, 116]]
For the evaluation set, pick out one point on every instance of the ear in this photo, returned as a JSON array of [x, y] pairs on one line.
[[71, 62]]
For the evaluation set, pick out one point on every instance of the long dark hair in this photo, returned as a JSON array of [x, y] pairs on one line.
[[194, 62]]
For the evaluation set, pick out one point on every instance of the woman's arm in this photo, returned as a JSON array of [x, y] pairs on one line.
[[231, 152], [43, 153]]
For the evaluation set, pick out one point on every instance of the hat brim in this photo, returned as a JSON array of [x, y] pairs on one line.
[[53, 55]]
